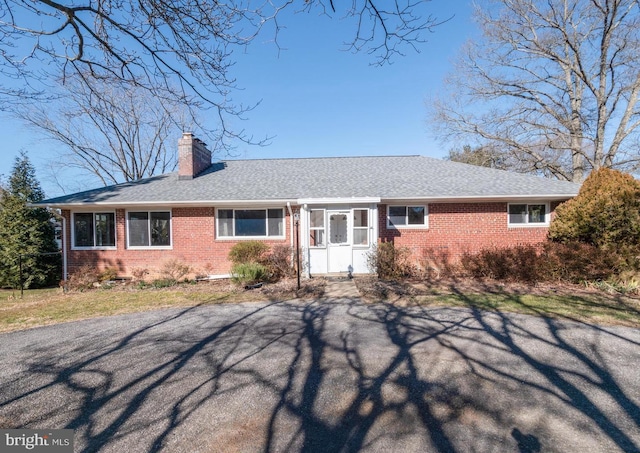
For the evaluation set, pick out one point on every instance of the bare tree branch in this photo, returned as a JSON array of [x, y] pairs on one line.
[[552, 83], [180, 51], [116, 132]]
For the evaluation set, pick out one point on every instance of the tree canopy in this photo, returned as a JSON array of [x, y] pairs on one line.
[[552, 84]]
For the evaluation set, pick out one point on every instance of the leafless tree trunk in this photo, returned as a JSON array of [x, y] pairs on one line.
[[116, 132], [553, 84]]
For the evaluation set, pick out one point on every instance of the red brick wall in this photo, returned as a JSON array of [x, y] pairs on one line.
[[456, 228], [193, 243]]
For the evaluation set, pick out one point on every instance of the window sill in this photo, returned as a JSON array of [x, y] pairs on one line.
[[93, 248], [528, 225], [150, 247], [251, 238], [407, 227]]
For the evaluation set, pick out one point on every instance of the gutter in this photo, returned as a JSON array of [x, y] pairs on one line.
[[487, 198], [167, 203]]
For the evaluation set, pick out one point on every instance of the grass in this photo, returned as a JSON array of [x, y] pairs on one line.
[[578, 303], [51, 306], [585, 308]]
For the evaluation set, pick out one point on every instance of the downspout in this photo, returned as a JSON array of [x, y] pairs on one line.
[[64, 248], [293, 247], [58, 213]]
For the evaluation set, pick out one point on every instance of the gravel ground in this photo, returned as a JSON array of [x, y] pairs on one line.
[[325, 376]]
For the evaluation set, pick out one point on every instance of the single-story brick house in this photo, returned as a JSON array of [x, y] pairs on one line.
[[345, 205]]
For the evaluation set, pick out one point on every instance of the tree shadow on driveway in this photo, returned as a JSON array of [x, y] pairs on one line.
[[326, 376]]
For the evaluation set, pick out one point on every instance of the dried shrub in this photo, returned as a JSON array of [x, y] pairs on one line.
[[110, 273], [573, 262], [174, 270], [278, 262], [578, 262], [518, 263], [390, 262], [82, 279], [139, 273], [248, 252]]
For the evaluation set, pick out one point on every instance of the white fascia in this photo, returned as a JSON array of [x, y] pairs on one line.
[[479, 199], [175, 204], [338, 200]]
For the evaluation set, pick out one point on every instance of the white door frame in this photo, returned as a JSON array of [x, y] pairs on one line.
[[339, 247], [317, 258]]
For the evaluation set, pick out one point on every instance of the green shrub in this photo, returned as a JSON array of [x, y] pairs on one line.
[[163, 283], [605, 213], [248, 252], [248, 273], [390, 262]]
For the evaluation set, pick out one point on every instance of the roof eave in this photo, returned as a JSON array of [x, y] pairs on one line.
[[176, 204], [483, 198]]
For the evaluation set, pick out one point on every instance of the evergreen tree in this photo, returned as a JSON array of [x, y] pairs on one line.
[[26, 233]]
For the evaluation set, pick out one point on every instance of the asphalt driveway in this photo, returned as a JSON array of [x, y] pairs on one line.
[[326, 376]]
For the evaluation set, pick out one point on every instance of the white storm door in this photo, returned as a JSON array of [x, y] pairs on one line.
[[339, 243]]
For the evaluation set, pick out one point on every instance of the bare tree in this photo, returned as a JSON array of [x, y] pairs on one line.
[[480, 156], [554, 84], [178, 50], [113, 131]]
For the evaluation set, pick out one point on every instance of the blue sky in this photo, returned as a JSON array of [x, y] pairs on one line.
[[316, 99]]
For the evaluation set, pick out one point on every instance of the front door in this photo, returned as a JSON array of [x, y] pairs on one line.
[[339, 245]]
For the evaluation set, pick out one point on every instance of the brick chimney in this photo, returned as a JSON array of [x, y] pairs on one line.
[[193, 156]]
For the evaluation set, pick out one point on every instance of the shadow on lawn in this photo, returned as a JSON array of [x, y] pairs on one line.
[[335, 376]]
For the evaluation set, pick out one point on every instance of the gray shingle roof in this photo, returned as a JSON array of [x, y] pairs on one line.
[[389, 177]]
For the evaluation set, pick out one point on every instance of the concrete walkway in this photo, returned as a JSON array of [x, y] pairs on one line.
[[341, 288]]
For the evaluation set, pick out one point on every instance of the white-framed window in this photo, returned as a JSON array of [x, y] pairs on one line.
[[149, 229], [250, 223], [360, 227], [317, 228], [338, 228], [407, 216], [528, 214], [94, 230]]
